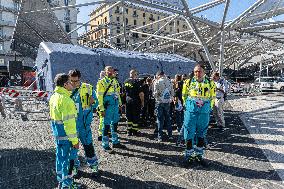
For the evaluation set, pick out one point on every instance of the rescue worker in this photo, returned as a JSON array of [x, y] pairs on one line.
[[198, 96], [102, 75], [134, 102], [85, 100], [63, 123], [108, 92], [221, 90]]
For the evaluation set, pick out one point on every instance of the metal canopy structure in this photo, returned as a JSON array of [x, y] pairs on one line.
[[238, 43], [34, 27]]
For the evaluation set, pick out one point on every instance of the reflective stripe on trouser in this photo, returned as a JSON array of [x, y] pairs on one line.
[[114, 135], [100, 128], [196, 120], [218, 112], [133, 110], [62, 164]]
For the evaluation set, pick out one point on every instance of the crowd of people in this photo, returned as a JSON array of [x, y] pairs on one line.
[[183, 105]]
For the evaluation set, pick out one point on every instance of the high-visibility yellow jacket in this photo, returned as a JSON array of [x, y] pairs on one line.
[[63, 115], [86, 91], [205, 90], [114, 90]]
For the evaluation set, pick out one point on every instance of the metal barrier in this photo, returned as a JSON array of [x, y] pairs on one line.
[[24, 104]]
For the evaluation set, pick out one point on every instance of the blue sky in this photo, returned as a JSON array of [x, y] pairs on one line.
[[214, 14]]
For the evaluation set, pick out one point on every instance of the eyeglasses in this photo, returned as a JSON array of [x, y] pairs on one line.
[[75, 81]]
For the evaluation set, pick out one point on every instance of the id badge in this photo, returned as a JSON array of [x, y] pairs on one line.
[[77, 107]]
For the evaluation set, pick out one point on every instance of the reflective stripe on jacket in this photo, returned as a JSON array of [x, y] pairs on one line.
[[102, 86], [63, 115], [86, 91], [205, 90]]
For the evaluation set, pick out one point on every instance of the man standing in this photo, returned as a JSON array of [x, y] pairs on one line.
[[63, 123], [198, 96], [163, 93], [85, 99], [100, 129], [108, 92], [134, 102], [221, 90]]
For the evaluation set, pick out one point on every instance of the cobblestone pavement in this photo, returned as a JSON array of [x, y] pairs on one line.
[[27, 160]]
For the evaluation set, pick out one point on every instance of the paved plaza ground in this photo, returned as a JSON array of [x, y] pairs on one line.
[[27, 160]]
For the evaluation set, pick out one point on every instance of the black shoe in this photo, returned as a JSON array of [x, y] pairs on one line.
[[108, 149], [137, 133], [130, 133], [119, 145], [100, 138], [200, 160]]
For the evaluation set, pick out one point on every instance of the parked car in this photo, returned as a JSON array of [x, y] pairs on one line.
[[270, 83]]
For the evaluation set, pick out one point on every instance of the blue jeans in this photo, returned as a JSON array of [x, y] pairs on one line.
[[163, 119], [179, 119]]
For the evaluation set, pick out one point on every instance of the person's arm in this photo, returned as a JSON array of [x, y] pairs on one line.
[[185, 87], [95, 103], [212, 93], [100, 95], [69, 114]]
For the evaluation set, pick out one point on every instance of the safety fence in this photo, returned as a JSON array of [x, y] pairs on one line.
[[20, 103]]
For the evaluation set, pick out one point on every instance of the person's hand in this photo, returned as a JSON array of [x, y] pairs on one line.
[[103, 113], [142, 105], [76, 146]]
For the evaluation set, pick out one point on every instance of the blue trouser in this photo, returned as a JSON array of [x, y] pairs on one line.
[[179, 119], [62, 163], [196, 120], [84, 131], [163, 118], [110, 120]]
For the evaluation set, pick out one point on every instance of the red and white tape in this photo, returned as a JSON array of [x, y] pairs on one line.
[[23, 93]]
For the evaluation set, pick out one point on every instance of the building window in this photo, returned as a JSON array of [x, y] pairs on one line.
[[151, 17], [118, 40], [126, 10], [126, 21], [144, 14], [117, 18], [178, 30], [1, 46], [135, 22], [178, 22], [118, 30], [135, 13], [105, 19], [144, 23], [67, 28], [105, 31], [117, 10]]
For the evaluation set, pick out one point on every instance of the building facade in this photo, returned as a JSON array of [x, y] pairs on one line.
[[109, 26], [8, 12], [67, 17]]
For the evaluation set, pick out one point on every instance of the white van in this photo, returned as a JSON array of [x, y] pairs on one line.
[[270, 83]]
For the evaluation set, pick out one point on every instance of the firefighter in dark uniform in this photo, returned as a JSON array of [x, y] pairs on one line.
[[134, 102]]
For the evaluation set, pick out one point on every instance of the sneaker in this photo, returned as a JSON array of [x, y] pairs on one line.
[[200, 160], [189, 161], [108, 149], [100, 138], [95, 168], [73, 186], [75, 171], [59, 185], [119, 145]]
